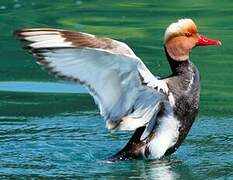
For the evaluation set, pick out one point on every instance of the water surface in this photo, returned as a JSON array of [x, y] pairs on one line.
[[49, 129]]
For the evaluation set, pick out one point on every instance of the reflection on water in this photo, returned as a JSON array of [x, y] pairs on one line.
[[161, 171]]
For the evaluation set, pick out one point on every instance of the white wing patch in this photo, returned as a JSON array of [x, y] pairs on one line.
[[113, 74], [50, 43], [113, 81]]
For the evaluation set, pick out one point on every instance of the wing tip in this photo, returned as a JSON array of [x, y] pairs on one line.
[[18, 34], [21, 33]]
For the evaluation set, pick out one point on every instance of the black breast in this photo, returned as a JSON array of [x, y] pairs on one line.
[[184, 84]]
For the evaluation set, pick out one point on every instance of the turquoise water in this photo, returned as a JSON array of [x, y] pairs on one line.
[[51, 87], [50, 129], [74, 145]]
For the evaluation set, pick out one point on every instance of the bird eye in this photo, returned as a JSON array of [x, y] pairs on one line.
[[188, 34]]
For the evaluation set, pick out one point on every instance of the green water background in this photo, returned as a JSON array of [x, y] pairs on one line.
[[34, 122], [141, 24]]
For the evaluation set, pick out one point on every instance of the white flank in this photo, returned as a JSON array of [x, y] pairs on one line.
[[171, 99], [165, 136]]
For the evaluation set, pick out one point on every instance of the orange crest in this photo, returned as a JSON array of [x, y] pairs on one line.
[[180, 28]]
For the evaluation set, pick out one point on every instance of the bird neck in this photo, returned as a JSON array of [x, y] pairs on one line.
[[178, 67]]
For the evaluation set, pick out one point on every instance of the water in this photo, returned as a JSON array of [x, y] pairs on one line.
[[49, 129], [73, 145]]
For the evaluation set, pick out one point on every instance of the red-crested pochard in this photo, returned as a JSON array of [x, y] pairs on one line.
[[128, 95]]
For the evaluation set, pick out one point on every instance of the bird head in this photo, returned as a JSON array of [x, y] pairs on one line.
[[180, 37]]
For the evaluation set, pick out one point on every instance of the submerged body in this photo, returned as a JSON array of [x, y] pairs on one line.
[[128, 95]]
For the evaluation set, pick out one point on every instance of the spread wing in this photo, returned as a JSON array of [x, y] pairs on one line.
[[115, 77]]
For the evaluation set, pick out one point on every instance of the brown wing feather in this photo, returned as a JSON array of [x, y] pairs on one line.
[[78, 39]]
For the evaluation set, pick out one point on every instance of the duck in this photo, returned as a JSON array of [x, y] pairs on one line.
[[160, 111]]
